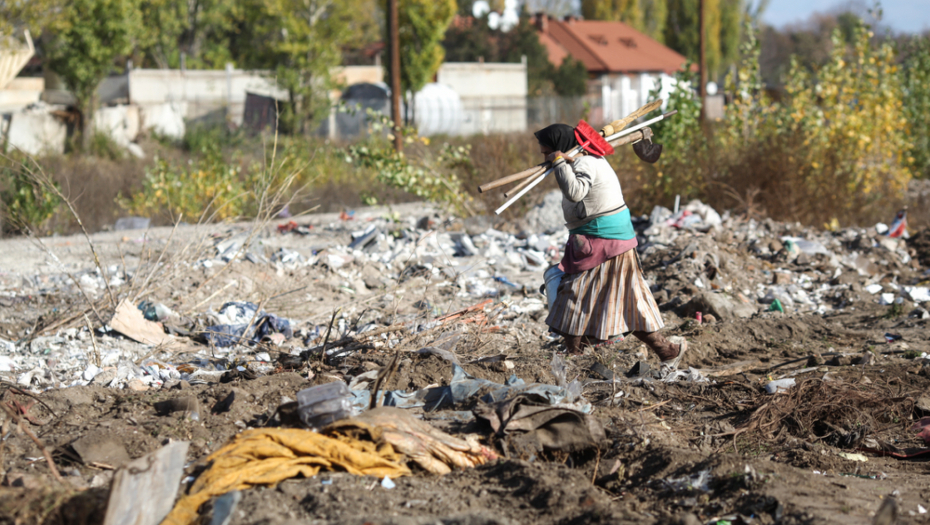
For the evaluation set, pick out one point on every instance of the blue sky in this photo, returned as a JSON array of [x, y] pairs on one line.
[[910, 16]]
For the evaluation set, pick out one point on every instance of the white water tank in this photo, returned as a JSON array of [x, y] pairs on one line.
[[438, 110]]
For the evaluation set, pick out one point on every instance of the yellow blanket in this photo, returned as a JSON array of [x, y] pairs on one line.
[[269, 456]]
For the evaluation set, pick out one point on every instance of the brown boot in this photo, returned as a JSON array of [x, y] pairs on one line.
[[574, 344], [669, 354]]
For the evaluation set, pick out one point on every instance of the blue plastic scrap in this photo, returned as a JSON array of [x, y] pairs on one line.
[[265, 324], [463, 387]]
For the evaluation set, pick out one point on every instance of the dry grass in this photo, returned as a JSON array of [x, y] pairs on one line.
[[837, 413], [761, 188]]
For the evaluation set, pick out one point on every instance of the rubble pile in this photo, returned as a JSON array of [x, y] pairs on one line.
[[696, 259]]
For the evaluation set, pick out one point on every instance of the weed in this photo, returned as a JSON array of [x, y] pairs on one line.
[[104, 147], [894, 311], [28, 205]]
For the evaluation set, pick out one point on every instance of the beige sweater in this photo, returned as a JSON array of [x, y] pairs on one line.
[[590, 189]]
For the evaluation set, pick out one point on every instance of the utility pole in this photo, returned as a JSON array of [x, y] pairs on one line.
[[394, 44], [702, 89]]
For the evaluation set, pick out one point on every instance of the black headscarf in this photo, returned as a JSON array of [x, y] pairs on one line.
[[559, 137]]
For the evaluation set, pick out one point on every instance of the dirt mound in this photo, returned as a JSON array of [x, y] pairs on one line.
[[920, 244]]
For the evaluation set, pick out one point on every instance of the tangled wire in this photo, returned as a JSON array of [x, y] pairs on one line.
[[837, 413]]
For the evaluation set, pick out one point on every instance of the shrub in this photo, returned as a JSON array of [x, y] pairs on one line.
[[209, 188], [28, 204], [423, 174]]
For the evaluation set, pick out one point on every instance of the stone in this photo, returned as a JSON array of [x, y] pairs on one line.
[[717, 305], [36, 132], [547, 216], [781, 278], [137, 385]]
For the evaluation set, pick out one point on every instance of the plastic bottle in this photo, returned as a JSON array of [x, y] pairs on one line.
[[321, 405]]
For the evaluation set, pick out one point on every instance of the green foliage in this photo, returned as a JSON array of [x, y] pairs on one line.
[[422, 26], [721, 42], [677, 173], [210, 188], [836, 148], [916, 93], [469, 43], [204, 31], [431, 178], [209, 139], [86, 40], [104, 147], [28, 204], [571, 78], [648, 16]]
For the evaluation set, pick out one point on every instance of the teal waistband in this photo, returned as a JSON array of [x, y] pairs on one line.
[[617, 226]]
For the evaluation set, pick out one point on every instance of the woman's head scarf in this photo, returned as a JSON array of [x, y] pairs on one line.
[[559, 137]]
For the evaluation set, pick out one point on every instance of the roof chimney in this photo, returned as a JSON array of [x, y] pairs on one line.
[[541, 20]]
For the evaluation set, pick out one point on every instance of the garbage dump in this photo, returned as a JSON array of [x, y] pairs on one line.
[[344, 367]]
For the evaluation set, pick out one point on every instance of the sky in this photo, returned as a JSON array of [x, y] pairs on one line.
[[907, 16]]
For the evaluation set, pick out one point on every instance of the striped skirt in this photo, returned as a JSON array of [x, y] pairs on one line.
[[606, 301]]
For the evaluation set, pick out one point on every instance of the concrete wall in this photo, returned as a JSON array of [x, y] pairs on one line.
[[20, 92], [493, 95], [623, 93], [205, 95]]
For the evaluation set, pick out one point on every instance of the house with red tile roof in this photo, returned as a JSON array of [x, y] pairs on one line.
[[624, 65]]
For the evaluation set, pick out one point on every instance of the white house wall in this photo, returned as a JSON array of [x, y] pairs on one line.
[[493, 95]]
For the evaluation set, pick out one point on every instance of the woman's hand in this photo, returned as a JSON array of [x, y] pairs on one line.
[[556, 154]]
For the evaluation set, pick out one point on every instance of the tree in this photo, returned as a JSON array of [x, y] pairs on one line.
[[570, 79], [86, 40], [916, 80], [722, 22], [647, 16], [473, 39], [423, 25], [301, 40], [34, 15], [204, 31]]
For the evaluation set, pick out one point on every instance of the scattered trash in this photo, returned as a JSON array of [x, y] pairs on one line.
[[853, 457], [101, 450], [224, 506], [236, 318], [554, 427], [285, 453], [782, 384], [129, 321], [143, 492], [387, 483], [321, 405]]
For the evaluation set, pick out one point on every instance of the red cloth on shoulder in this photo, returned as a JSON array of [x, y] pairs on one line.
[[583, 252]]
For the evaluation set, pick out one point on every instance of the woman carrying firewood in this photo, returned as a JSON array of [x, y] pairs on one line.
[[598, 293]]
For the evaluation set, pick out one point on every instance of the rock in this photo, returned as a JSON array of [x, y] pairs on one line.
[[104, 377], [101, 447], [188, 404], [718, 305], [547, 216], [781, 278], [372, 277], [137, 385], [235, 395], [23, 480]]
